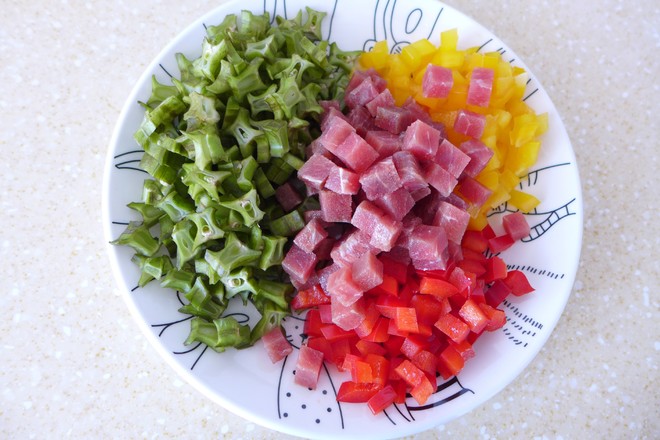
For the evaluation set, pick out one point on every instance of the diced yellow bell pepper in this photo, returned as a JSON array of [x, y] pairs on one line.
[[524, 129], [418, 53], [449, 40], [523, 201], [377, 58]]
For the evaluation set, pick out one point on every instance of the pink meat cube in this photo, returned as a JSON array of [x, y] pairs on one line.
[[329, 114], [308, 367], [351, 247], [356, 153], [479, 154], [451, 158], [324, 248], [324, 273], [437, 81], [360, 75], [418, 112], [367, 271], [299, 264], [313, 214], [473, 192], [385, 234], [428, 247], [384, 99], [409, 170], [422, 140], [337, 130], [384, 142], [315, 171], [360, 118], [343, 288], [470, 123], [420, 193], [393, 119], [366, 216], [336, 207], [312, 281], [396, 204], [276, 345], [380, 179], [287, 196], [348, 317], [481, 86], [408, 225], [516, 225], [440, 179], [342, 181], [309, 237], [361, 94], [453, 219]]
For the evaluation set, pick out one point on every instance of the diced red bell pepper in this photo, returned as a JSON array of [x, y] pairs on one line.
[[371, 316], [332, 332], [367, 347], [422, 391], [382, 399], [325, 311], [429, 308], [473, 316], [323, 345], [496, 317], [393, 330], [496, 293], [410, 373], [380, 368], [495, 269], [352, 392], [405, 319], [453, 327], [436, 287], [389, 286], [472, 266], [518, 283], [309, 298], [313, 324], [474, 240], [464, 348], [412, 345], [387, 305], [425, 361], [393, 345], [500, 243], [379, 332], [360, 370], [394, 268], [450, 362]]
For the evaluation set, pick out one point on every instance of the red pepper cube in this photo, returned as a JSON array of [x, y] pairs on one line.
[[473, 316], [410, 373], [342, 288], [313, 324], [500, 243], [393, 330], [515, 225], [426, 361], [366, 347], [428, 308], [453, 327], [379, 332], [496, 317], [518, 283], [469, 123], [319, 343], [450, 362], [406, 319], [352, 392], [497, 293], [393, 268], [308, 298], [423, 390], [437, 81], [389, 286], [495, 269], [481, 86], [412, 345], [437, 287], [464, 348], [332, 332], [382, 399], [380, 367], [475, 241], [387, 304]]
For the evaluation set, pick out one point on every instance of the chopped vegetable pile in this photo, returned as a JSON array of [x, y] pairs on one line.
[[286, 177]]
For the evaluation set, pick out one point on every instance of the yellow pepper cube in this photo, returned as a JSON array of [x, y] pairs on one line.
[[418, 53], [524, 129], [449, 40], [377, 57], [523, 201]]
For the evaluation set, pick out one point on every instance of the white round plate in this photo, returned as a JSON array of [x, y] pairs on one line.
[[246, 382]]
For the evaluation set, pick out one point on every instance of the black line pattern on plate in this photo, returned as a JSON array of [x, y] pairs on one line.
[[519, 327], [129, 160]]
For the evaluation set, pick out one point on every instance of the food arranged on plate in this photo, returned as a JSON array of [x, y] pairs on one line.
[[352, 186]]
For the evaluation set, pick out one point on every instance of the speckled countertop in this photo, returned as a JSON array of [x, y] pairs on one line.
[[74, 363]]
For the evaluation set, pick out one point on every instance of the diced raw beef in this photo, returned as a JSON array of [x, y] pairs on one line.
[[356, 153], [408, 225], [361, 94], [440, 179], [313, 214], [336, 207], [420, 193], [451, 158], [342, 181], [385, 234], [366, 216], [327, 105], [316, 147], [384, 142], [277, 346], [417, 111], [287, 196], [396, 204], [324, 248], [337, 130], [299, 264], [454, 220], [326, 117], [324, 273], [422, 140], [367, 271], [437, 81], [309, 237], [400, 254], [393, 119], [348, 317], [481, 86], [470, 123], [479, 155], [308, 367], [515, 225], [360, 75], [360, 118], [428, 248], [409, 171], [314, 172], [457, 201], [384, 99], [343, 288], [473, 192], [380, 179], [351, 247], [312, 281]]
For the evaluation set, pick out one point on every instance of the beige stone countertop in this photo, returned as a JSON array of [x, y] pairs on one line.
[[74, 363]]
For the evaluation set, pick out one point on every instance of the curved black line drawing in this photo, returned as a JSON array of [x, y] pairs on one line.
[[395, 22], [131, 162], [519, 327], [549, 217]]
